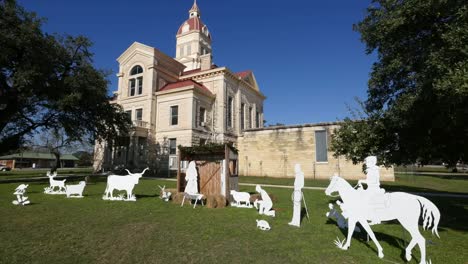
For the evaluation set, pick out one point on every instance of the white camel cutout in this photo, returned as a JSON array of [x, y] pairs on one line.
[[404, 207], [55, 183], [122, 183]]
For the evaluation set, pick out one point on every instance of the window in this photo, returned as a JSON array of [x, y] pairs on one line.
[[139, 114], [257, 119], [250, 117], [136, 82], [321, 146], [174, 115], [132, 87], [129, 114], [229, 112], [202, 141], [136, 70], [172, 146], [181, 51], [140, 85], [201, 117], [189, 49], [242, 117]]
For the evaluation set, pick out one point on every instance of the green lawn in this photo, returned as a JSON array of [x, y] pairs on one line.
[[405, 182], [54, 229]]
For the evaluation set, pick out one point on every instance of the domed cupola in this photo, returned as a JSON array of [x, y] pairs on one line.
[[194, 23], [193, 40]]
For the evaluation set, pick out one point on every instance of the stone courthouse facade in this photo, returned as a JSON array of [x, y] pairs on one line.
[[188, 100]]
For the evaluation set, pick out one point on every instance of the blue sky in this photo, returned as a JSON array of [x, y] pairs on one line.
[[307, 59]]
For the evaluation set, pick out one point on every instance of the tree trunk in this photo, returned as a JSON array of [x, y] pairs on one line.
[[57, 161]]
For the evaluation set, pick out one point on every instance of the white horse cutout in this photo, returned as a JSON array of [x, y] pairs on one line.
[[404, 207]]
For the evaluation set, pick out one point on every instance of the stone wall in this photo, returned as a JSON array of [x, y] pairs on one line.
[[273, 151]]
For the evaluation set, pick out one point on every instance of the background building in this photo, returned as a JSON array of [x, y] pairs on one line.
[[190, 101], [37, 160]]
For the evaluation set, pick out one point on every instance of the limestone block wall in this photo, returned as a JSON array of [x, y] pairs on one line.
[[273, 152]]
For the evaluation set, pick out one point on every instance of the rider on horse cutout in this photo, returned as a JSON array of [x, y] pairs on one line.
[[373, 193]]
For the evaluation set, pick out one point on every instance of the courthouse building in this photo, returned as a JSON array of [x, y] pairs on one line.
[[189, 100]]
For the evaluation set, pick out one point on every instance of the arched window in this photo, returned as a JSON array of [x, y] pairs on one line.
[[135, 84]]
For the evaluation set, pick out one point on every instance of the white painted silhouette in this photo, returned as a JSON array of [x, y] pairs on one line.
[[264, 206], [76, 190], [241, 197], [404, 207], [55, 183], [193, 197], [373, 194], [297, 196], [191, 176], [20, 193], [122, 183], [339, 218], [165, 196], [263, 225]]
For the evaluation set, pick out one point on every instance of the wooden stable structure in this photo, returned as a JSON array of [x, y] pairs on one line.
[[217, 167]]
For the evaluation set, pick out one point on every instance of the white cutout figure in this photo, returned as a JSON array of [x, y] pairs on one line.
[[264, 206], [374, 195], [263, 225], [165, 196], [122, 183], [241, 197], [340, 219], [191, 176], [55, 183], [76, 190], [20, 191], [297, 196], [404, 207]]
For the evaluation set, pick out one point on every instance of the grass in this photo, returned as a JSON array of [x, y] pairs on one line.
[[403, 182], [54, 229]]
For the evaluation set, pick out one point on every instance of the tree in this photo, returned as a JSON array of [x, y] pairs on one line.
[[49, 82], [417, 105]]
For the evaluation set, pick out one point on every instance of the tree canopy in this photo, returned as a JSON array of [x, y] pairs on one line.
[[49, 82], [417, 104]]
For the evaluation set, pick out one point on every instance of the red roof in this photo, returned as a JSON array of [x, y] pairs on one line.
[[194, 23], [243, 74], [171, 86]]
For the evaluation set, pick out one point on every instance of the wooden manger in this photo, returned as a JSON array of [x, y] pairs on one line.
[[217, 166]]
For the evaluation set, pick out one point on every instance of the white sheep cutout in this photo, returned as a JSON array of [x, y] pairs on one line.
[[241, 197], [122, 183], [55, 183], [76, 190]]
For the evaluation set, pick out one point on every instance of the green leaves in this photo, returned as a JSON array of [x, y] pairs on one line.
[[48, 81], [416, 110]]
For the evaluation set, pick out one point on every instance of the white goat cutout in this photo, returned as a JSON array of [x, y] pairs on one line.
[[263, 225], [20, 193], [122, 183], [404, 207], [55, 183], [75, 190], [241, 197]]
